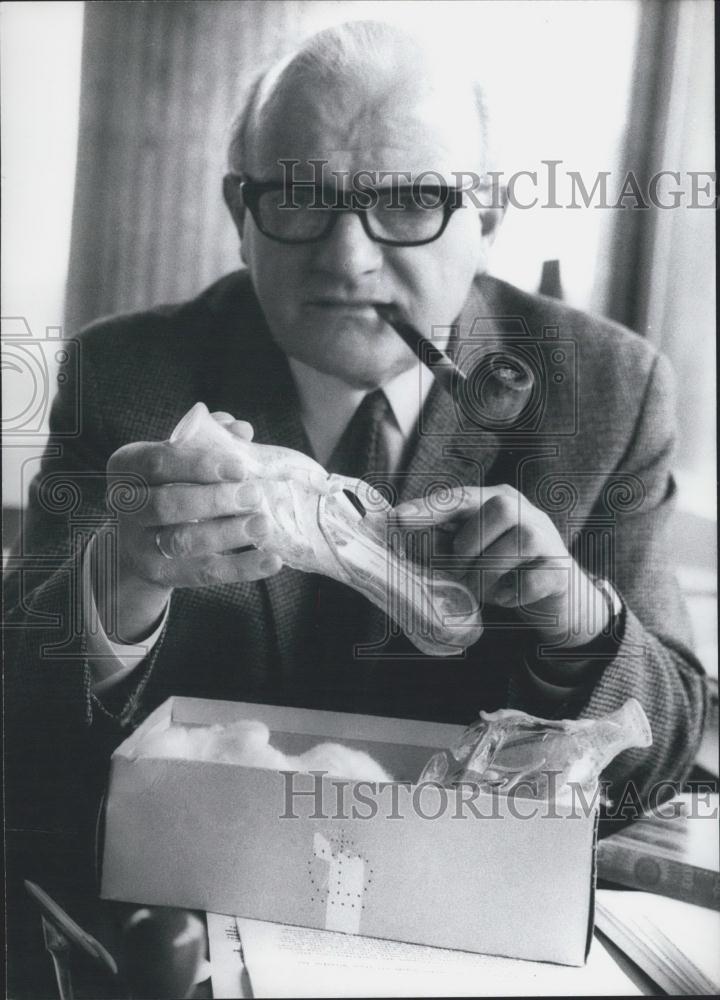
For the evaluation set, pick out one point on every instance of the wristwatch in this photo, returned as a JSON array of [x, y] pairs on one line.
[[604, 646], [595, 656]]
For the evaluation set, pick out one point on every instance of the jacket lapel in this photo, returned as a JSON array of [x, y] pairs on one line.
[[444, 455], [448, 449]]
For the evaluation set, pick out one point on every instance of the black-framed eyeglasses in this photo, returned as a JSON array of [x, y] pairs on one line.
[[407, 215]]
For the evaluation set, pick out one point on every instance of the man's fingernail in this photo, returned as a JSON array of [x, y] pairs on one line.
[[406, 511], [257, 526], [271, 564], [505, 596], [247, 495], [231, 469]]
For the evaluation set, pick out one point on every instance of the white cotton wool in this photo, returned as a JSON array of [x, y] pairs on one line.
[[342, 762], [176, 742], [247, 742]]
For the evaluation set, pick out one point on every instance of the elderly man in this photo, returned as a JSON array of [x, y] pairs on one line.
[[562, 534]]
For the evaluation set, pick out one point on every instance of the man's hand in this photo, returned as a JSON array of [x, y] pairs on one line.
[[519, 561], [200, 508]]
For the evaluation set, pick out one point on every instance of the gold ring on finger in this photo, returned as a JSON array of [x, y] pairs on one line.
[[158, 546]]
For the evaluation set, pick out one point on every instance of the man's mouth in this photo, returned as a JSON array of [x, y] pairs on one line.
[[332, 302]]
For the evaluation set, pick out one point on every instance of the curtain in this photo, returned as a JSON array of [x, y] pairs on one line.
[[160, 83]]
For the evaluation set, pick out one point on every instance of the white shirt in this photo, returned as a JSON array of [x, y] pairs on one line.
[[327, 405]]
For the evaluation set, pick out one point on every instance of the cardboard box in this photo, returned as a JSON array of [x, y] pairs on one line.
[[346, 855]]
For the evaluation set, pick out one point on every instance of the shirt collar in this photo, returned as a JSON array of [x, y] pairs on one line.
[[327, 403]]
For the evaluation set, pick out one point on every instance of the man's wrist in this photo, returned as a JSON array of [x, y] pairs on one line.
[[139, 609], [111, 661], [573, 666], [129, 608]]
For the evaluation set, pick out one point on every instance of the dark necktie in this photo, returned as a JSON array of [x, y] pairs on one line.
[[344, 617], [362, 451]]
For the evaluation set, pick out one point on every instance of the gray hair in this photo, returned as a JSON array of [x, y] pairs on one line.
[[355, 50]]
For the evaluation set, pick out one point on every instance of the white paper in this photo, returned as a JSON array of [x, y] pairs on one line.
[[650, 928], [284, 961], [227, 968]]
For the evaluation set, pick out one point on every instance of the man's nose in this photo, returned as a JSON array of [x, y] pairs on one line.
[[348, 250]]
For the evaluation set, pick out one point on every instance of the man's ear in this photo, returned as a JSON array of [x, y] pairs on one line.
[[492, 216], [234, 201]]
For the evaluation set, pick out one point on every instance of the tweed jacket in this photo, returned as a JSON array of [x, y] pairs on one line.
[[595, 453]]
